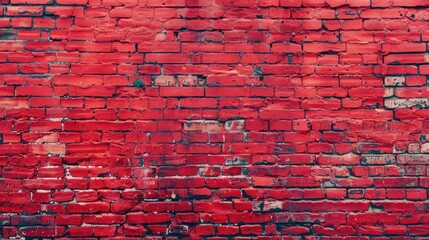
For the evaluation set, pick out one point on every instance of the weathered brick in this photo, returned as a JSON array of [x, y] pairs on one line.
[[406, 103], [394, 81]]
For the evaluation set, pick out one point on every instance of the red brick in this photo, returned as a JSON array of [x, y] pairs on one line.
[[96, 207], [24, 11]]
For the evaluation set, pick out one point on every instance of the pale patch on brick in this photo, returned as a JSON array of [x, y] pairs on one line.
[[145, 183], [389, 92], [234, 125], [161, 37], [413, 148], [394, 81], [188, 80], [203, 125], [236, 161], [193, 125], [202, 171], [273, 206], [165, 81], [257, 206], [48, 138], [142, 172], [425, 148], [426, 56], [378, 159], [212, 126], [43, 149], [413, 159], [14, 102], [346, 159], [267, 206], [406, 103]]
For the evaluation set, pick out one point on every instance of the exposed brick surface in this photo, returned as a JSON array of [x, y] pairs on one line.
[[214, 119]]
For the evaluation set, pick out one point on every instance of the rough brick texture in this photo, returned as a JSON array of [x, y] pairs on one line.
[[214, 119]]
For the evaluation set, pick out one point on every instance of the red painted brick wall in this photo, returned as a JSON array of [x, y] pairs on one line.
[[214, 119]]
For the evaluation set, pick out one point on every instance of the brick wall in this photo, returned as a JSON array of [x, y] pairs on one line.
[[214, 119]]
